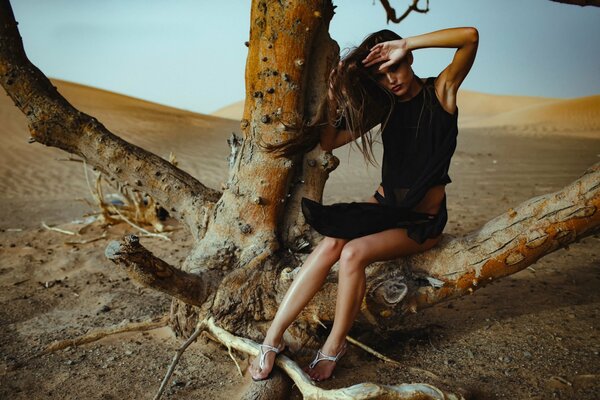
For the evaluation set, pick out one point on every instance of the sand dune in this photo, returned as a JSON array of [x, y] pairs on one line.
[[28, 170], [54, 291], [472, 105], [514, 114], [580, 117]]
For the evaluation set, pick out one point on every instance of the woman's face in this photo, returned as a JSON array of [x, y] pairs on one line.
[[396, 78]]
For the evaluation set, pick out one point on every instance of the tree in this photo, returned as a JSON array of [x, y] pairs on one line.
[[250, 237]]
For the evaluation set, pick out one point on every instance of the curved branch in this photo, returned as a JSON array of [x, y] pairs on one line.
[[512, 241], [391, 12], [460, 265], [150, 271], [53, 121], [581, 3], [362, 391]]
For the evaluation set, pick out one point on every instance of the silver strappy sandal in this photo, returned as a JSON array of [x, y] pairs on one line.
[[324, 357], [263, 353]]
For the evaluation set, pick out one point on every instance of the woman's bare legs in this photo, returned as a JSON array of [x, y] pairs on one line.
[[306, 284], [312, 274], [356, 255]]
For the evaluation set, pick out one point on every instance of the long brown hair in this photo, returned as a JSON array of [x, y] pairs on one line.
[[358, 103]]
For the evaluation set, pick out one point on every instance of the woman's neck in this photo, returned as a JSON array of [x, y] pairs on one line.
[[415, 88]]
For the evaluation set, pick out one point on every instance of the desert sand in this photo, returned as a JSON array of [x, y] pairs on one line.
[[533, 335]]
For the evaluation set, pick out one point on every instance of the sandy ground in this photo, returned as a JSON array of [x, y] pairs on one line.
[[530, 336]]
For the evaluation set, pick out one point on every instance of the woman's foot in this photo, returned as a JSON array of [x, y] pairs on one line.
[[261, 367], [321, 368]]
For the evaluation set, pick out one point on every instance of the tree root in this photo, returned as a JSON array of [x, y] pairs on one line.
[[104, 332], [363, 346], [51, 228], [178, 354], [362, 391], [137, 210]]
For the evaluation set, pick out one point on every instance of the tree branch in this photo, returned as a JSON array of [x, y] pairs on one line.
[[146, 269], [512, 241], [391, 12], [55, 122], [460, 265], [581, 3]]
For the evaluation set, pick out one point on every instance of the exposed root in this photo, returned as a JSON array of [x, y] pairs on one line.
[[144, 231], [178, 354], [234, 360], [130, 206], [86, 241], [104, 332], [63, 231], [415, 391], [371, 351], [363, 346]]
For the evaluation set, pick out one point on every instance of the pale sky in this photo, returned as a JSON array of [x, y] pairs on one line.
[[190, 54]]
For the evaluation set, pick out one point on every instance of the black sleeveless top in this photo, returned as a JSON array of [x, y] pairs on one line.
[[419, 140]]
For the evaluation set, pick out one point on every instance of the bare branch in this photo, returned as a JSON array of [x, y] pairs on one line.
[[55, 122], [310, 391], [176, 357], [581, 3], [460, 265], [104, 332], [148, 270], [512, 241], [391, 12]]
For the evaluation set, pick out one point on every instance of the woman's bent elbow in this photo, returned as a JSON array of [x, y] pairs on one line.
[[473, 34]]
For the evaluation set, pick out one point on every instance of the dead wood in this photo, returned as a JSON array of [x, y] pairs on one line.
[[146, 269], [460, 265], [104, 332], [581, 3], [390, 12], [417, 391]]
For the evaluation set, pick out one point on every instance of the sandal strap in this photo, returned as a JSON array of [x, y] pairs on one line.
[[263, 353], [324, 357]]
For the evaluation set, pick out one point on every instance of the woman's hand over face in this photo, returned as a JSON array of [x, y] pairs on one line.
[[388, 53]]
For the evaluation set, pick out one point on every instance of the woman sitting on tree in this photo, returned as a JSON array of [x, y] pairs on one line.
[[375, 84]]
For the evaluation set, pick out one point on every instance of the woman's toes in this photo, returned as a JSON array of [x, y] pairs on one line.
[[256, 372]]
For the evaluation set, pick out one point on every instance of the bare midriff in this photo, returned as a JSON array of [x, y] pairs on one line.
[[431, 201]]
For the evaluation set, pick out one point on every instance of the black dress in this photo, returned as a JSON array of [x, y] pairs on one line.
[[419, 140]]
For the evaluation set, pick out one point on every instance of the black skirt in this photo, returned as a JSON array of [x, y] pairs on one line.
[[352, 220]]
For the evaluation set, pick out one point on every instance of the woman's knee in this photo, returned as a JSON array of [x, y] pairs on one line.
[[352, 259], [332, 246]]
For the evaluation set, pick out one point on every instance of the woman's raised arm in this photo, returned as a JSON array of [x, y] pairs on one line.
[[465, 40]]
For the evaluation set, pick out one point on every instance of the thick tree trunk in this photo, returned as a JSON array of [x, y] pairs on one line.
[[290, 56]]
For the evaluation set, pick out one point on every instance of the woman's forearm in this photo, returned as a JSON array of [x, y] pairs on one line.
[[452, 37]]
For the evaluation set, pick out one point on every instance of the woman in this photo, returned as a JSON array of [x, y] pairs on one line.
[[375, 83]]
